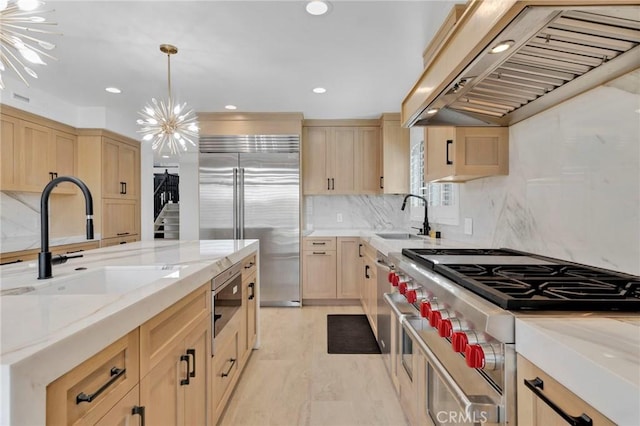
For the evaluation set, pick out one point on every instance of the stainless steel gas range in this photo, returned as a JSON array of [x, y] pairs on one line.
[[456, 309]]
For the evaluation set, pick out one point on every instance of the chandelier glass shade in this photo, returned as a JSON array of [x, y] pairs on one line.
[[170, 126], [20, 46]]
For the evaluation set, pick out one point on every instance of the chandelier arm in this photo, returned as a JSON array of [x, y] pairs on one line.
[[8, 62], [35, 49]]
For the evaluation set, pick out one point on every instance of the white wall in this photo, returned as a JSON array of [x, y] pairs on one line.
[[573, 189]]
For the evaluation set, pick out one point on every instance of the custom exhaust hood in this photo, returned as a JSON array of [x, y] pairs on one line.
[[552, 54]]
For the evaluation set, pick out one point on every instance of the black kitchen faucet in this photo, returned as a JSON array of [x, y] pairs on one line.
[[425, 225], [45, 260]]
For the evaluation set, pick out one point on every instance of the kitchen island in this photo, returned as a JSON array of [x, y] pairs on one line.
[[46, 335]]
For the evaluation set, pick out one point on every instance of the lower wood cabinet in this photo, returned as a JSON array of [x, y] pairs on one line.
[[127, 412], [226, 361], [533, 410], [368, 281], [330, 268], [87, 393]]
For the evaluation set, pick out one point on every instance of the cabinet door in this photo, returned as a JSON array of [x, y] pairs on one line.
[[347, 268], [395, 157], [315, 142], [439, 153], [119, 218], [111, 187], [9, 154], [121, 414], [36, 163], [372, 295], [481, 151], [319, 274], [342, 161], [367, 162], [127, 170], [63, 160], [160, 391], [196, 396], [252, 317]]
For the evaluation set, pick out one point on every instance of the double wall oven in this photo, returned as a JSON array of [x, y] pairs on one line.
[[455, 314]]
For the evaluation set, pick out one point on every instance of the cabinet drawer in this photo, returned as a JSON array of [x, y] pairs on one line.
[[317, 243], [162, 332], [104, 378], [225, 368], [249, 266], [107, 242]]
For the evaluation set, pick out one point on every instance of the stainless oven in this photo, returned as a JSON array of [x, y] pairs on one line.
[[226, 299]]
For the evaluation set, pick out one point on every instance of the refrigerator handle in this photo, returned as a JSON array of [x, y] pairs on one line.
[[241, 204], [235, 203]]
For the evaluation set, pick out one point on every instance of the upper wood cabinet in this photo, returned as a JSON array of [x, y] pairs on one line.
[[35, 151], [395, 155], [342, 157], [460, 154], [121, 169]]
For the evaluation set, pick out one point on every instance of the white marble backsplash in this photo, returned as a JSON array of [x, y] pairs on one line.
[[573, 189], [358, 212]]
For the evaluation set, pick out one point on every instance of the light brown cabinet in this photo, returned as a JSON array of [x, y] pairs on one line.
[[347, 268], [127, 412], [369, 284], [460, 154], [35, 151], [120, 219], [341, 159], [249, 305], [395, 155], [121, 170], [534, 411], [88, 392], [319, 268]]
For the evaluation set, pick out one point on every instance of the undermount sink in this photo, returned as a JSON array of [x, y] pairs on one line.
[[103, 280], [400, 236]]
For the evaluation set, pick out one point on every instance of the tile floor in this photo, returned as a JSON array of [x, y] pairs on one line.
[[291, 380]]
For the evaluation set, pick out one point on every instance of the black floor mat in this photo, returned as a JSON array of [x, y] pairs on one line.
[[350, 334]]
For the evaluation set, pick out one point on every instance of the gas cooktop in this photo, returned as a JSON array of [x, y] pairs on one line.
[[515, 280]]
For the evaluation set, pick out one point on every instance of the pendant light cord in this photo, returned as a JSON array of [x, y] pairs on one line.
[[169, 75]]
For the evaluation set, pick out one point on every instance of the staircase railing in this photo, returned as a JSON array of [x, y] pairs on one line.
[[166, 190]]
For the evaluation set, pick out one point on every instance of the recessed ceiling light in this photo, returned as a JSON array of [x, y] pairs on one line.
[[231, 107], [165, 156], [432, 111], [502, 46], [317, 7], [319, 90], [113, 90]]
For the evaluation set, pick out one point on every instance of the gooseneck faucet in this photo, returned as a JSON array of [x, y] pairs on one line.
[[44, 257], [425, 225]]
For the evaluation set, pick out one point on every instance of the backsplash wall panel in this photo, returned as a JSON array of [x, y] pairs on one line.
[[358, 212], [573, 189]]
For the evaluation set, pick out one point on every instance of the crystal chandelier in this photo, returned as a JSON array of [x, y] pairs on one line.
[[19, 21], [169, 126]]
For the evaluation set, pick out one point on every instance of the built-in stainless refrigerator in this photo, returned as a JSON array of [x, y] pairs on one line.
[[250, 189]]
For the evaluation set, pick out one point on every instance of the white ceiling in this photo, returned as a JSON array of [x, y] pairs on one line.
[[259, 55]]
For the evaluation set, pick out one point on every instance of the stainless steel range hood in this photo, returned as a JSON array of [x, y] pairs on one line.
[[556, 53]]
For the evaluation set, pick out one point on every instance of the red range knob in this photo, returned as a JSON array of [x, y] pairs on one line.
[[474, 356], [402, 288], [411, 296], [434, 317], [459, 341], [396, 280], [445, 328], [425, 309], [390, 277]]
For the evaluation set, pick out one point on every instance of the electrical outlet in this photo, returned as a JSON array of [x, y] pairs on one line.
[[339, 217], [468, 226]]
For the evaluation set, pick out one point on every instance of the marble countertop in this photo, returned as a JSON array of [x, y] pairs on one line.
[[44, 336], [596, 358], [386, 246]]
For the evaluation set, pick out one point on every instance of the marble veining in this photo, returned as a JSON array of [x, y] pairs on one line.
[[375, 212], [573, 189]]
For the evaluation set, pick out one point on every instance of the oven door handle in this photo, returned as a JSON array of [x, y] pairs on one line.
[[476, 405], [392, 304]]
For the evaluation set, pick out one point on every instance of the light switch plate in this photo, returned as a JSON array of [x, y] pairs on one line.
[[468, 226], [339, 217]]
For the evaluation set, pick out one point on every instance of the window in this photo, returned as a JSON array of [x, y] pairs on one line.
[[443, 197]]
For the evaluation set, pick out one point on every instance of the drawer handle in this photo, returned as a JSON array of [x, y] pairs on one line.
[[115, 375], [187, 359], [537, 386], [192, 352], [319, 252], [120, 234], [233, 362], [381, 182], [449, 143], [319, 244], [359, 250], [138, 411], [366, 271], [249, 265], [253, 292], [328, 184]]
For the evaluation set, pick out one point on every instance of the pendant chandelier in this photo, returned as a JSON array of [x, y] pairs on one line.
[[19, 22], [169, 126]]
